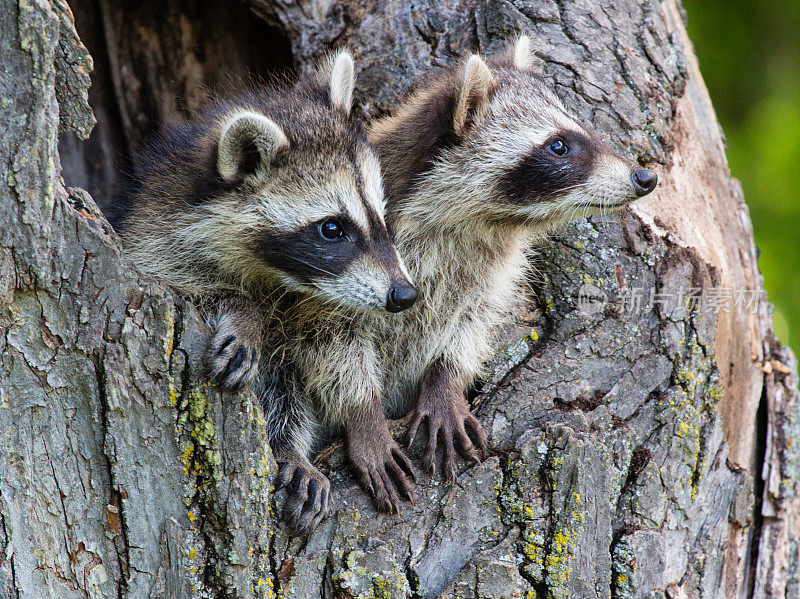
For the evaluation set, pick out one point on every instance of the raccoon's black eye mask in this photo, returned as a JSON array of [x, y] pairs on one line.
[[563, 161], [319, 250]]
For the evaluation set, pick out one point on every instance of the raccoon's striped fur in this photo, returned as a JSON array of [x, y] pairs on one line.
[[474, 172], [268, 211]]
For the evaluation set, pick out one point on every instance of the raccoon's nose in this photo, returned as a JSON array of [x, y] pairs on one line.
[[401, 296], [644, 180]]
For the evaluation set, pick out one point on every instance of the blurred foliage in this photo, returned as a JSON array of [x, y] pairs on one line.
[[749, 54]]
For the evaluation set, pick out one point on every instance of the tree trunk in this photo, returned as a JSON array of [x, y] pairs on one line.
[[642, 445]]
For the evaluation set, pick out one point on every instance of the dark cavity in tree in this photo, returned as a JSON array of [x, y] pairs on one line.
[[156, 62]]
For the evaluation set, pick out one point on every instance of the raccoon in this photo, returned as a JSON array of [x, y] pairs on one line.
[[478, 163], [268, 211]]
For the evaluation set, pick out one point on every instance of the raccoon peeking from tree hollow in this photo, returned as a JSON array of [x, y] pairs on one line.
[[268, 211], [479, 161]]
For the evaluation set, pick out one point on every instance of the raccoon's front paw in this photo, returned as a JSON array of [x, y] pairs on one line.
[[383, 469], [454, 422], [307, 494], [232, 361]]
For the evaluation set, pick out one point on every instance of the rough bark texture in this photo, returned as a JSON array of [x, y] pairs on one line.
[[636, 453]]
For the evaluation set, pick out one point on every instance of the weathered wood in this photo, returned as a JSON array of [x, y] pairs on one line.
[[115, 479], [646, 452], [156, 62]]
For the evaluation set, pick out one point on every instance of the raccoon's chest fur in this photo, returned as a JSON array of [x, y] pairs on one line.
[[466, 288]]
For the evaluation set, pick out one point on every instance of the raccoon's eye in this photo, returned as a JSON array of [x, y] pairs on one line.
[[331, 229], [558, 147]]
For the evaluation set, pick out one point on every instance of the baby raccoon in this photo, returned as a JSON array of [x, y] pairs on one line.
[[268, 211], [478, 162]]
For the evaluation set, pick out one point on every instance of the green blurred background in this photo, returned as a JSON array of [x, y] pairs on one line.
[[749, 54]]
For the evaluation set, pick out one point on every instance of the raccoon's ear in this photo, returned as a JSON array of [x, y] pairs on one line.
[[521, 53], [248, 143], [342, 80], [476, 84]]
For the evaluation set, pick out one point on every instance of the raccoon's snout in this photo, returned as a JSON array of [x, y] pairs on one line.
[[644, 181], [401, 296]]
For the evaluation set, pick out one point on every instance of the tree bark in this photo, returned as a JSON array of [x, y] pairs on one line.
[[637, 451]]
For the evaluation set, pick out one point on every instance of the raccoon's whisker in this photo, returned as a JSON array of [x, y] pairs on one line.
[[311, 296], [573, 210], [314, 266], [338, 307], [270, 294], [564, 189], [275, 304]]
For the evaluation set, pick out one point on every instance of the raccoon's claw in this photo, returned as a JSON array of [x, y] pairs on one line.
[[453, 422], [231, 362], [385, 471], [307, 495]]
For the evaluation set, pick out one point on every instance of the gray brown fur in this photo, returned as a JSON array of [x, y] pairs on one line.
[[471, 182], [230, 211]]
